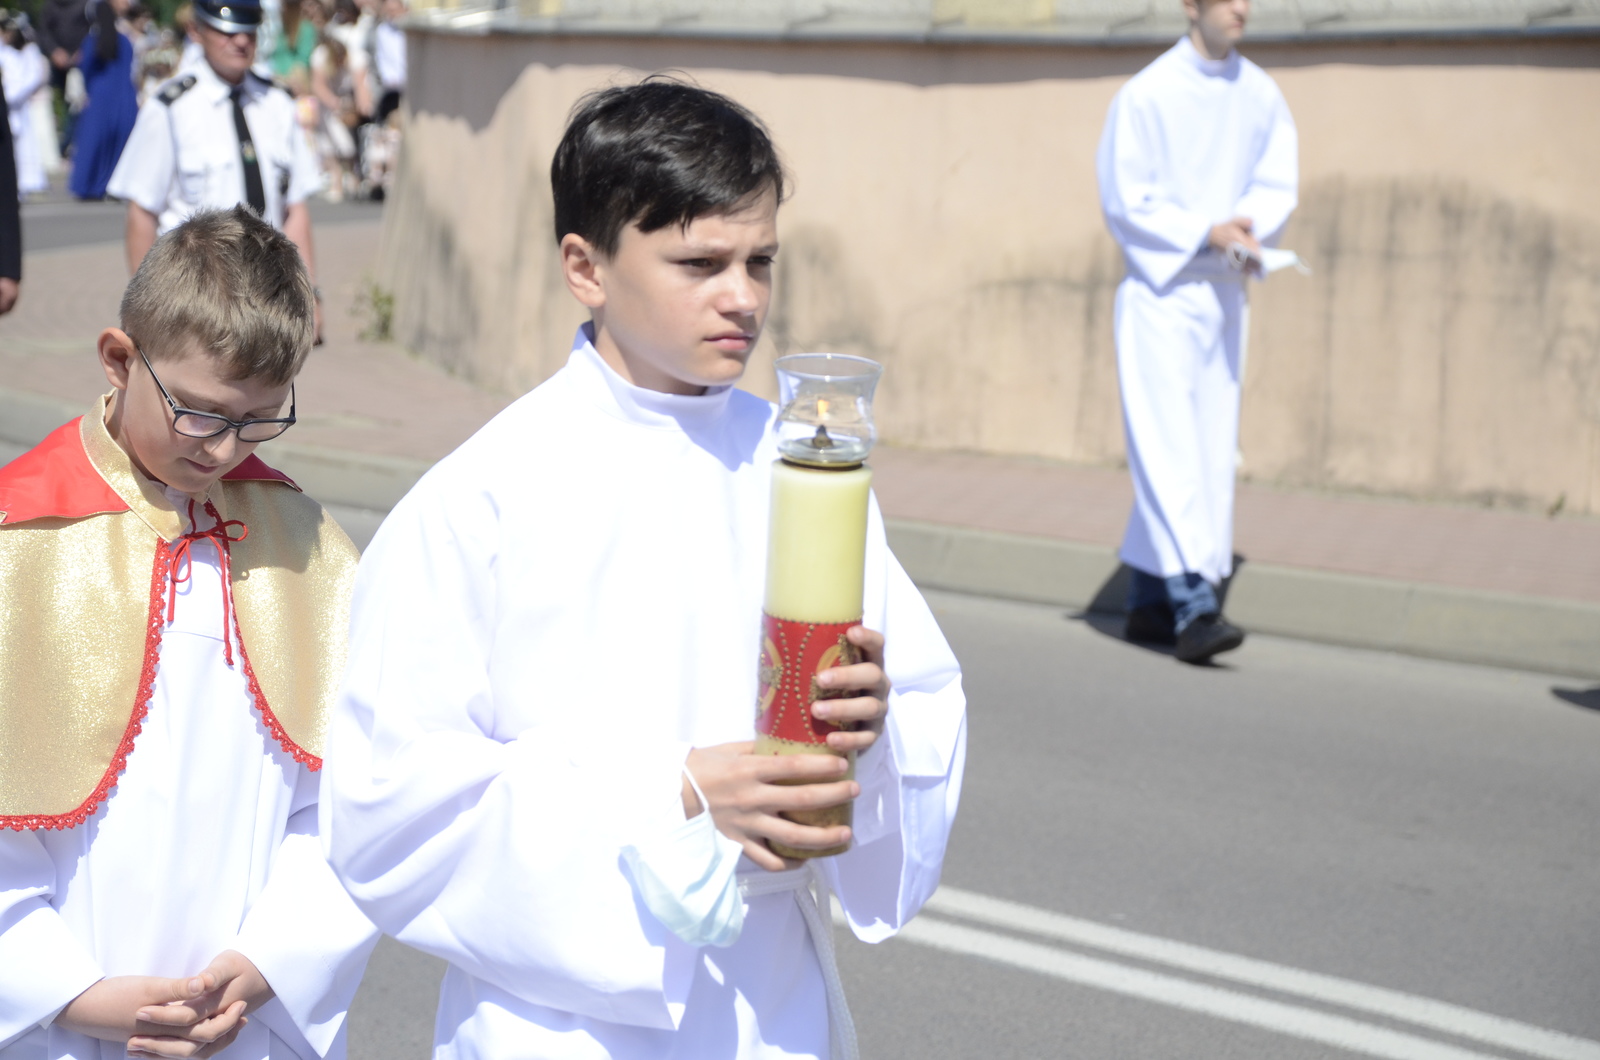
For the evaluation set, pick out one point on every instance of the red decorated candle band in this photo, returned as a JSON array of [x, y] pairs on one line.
[[792, 655]]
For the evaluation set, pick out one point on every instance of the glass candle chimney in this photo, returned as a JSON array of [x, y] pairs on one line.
[[826, 408]]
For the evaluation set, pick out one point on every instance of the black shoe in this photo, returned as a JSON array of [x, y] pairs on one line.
[[1151, 624], [1206, 636]]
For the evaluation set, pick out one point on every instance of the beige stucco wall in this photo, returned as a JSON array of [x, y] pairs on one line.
[[944, 220]]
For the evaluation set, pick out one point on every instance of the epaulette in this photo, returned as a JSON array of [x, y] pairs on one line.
[[169, 95]]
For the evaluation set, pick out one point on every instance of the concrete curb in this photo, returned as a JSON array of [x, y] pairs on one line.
[[1524, 632]]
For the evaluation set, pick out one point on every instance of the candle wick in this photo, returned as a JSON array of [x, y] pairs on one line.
[[821, 440]]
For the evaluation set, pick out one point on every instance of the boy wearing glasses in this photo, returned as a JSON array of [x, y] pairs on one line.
[[172, 622]]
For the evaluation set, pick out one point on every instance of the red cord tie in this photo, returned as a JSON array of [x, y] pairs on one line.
[[221, 535]]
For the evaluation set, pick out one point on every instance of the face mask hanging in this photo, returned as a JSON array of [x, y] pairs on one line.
[[687, 878]]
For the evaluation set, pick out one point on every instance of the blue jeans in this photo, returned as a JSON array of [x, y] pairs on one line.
[[1188, 594]]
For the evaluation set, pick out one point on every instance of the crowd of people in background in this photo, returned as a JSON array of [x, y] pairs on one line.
[[76, 74]]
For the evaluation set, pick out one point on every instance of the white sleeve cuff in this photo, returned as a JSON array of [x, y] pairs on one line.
[[922, 728], [309, 941], [43, 967]]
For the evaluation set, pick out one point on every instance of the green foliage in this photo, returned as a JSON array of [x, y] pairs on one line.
[[163, 10], [375, 303]]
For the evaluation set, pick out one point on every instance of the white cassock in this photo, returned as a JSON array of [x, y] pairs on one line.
[[543, 628], [43, 122], [208, 843], [1189, 143], [25, 71]]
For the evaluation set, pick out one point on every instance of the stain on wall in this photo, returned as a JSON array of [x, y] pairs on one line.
[[1448, 346]]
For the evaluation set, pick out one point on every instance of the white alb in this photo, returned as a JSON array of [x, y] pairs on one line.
[[543, 628], [1189, 143]]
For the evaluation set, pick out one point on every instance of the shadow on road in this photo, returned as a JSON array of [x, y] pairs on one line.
[[1107, 613], [1587, 698]]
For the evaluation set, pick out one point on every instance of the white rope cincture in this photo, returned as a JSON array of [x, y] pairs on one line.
[[812, 895]]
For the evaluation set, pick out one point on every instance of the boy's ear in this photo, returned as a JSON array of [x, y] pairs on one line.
[[583, 267], [117, 354]]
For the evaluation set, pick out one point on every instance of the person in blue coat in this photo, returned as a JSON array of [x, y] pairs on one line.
[[103, 127]]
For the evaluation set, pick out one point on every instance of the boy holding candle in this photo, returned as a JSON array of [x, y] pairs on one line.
[[172, 623], [541, 765]]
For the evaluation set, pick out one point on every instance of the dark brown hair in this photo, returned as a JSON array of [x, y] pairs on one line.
[[657, 153]]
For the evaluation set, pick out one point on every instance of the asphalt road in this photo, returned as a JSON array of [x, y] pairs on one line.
[[1179, 847]]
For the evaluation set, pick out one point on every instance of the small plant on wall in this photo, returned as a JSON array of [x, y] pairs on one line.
[[375, 303]]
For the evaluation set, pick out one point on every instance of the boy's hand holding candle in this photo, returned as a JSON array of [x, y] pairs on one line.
[[822, 692], [749, 792], [860, 718]]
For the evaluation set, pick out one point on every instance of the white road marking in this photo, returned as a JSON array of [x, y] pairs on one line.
[[1308, 1024], [1408, 1008]]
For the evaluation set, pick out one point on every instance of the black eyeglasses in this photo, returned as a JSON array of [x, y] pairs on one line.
[[192, 424]]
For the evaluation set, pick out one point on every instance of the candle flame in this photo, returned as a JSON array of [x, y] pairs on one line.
[[822, 408]]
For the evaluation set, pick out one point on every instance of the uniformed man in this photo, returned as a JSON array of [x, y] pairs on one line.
[[217, 135]]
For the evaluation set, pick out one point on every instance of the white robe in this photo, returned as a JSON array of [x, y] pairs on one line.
[[543, 628], [1189, 142], [208, 843], [42, 119], [25, 71]]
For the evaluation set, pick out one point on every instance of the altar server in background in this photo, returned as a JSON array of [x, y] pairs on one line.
[[26, 74], [172, 626], [1198, 169], [540, 766]]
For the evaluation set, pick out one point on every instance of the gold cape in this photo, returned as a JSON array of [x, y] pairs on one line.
[[84, 573]]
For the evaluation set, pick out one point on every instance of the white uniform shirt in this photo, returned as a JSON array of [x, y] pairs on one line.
[[183, 155], [540, 634]]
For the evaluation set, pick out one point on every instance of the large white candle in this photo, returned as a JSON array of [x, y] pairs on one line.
[[818, 544], [815, 558], [815, 565]]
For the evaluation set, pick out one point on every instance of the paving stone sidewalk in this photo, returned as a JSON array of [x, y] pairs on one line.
[[373, 399]]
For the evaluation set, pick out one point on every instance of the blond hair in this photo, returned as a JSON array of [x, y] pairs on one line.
[[230, 282]]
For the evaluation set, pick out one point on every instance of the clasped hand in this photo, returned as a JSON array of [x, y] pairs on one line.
[[747, 792], [157, 1017], [1238, 232]]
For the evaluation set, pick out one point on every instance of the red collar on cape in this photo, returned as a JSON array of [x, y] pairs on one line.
[[56, 479]]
